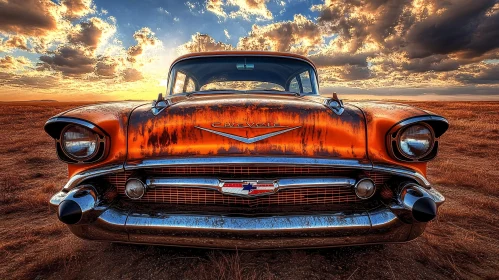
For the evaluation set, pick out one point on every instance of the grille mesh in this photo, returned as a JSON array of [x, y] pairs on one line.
[[247, 170], [303, 196], [198, 196]]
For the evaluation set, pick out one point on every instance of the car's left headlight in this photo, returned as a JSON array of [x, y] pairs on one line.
[[79, 143], [416, 141]]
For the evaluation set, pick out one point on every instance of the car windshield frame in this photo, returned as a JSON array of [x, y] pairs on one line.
[[312, 76]]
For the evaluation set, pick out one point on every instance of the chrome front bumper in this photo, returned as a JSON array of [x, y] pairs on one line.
[[380, 225], [109, 222]]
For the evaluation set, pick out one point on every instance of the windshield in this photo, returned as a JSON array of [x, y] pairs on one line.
[[242, 74]]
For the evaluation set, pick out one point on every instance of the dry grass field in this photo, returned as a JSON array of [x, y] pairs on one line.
[[463, 243]]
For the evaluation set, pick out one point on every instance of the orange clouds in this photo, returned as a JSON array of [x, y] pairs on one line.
[[300, 35], [90, 33], [28, 17], [244, 9], [77, 8], [203, 43], [144, 37]]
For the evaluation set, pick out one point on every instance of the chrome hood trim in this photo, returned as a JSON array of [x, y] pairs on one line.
[[245, 139]]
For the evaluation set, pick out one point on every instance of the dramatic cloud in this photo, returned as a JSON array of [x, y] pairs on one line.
[[106, 67], [300, 35], [13, 63], [382, 46], [215, 6], [145, 38], [203, 43], [487, 74], [15, 42], [132, 75], [244, 9], [70, 61], [340, 59], [74, 9], [478, 31], [90, 33], [28, 17]]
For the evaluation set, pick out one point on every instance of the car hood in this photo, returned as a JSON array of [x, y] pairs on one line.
[[246, 124]]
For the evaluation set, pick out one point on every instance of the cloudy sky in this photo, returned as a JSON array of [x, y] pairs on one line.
[[122, 49]]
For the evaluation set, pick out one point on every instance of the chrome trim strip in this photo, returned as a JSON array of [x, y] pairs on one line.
[[248, 140], [80, 177], [251, 160], [416, 120], [284, 161], [218, 184], [183, 182], [273, 224], [86, 124], [403, 172], [314, 182]]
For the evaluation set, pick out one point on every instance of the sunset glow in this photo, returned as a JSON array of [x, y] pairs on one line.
[[115, 50]]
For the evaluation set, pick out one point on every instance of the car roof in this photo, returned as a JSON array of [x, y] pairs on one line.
[[242, 53]]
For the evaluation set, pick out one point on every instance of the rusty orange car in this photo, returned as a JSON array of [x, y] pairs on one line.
[[243, 152]]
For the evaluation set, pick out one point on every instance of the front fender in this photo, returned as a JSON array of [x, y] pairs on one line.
[[111, 118], [381, 117]]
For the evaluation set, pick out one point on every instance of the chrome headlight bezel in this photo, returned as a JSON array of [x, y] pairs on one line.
[[431, 141], [437, 126], [57, 126], [97, 141]]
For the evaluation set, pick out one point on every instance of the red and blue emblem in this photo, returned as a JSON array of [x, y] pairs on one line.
[[249, 188]]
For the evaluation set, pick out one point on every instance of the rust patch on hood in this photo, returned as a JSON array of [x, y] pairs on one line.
[[211, 124]]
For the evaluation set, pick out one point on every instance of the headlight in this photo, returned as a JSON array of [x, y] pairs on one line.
[[79, 143], [416, 141]]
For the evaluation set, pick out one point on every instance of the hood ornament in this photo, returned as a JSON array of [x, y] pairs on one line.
[[335, 104], [160, 104]]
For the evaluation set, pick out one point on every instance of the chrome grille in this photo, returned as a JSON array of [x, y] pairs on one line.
[[199, 196]]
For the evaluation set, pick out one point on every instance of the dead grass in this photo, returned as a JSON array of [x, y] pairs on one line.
[[461, 244]]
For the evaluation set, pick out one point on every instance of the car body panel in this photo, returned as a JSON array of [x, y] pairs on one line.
[[177, 131], [380, 118], [112, 118]]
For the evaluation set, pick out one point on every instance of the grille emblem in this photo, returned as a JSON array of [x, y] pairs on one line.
[[249, 188]]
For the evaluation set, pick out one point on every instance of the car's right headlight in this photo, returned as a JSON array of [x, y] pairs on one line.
[[79, 143], [416, 141]]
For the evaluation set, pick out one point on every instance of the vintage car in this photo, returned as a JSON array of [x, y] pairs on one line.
[[242, 152]]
